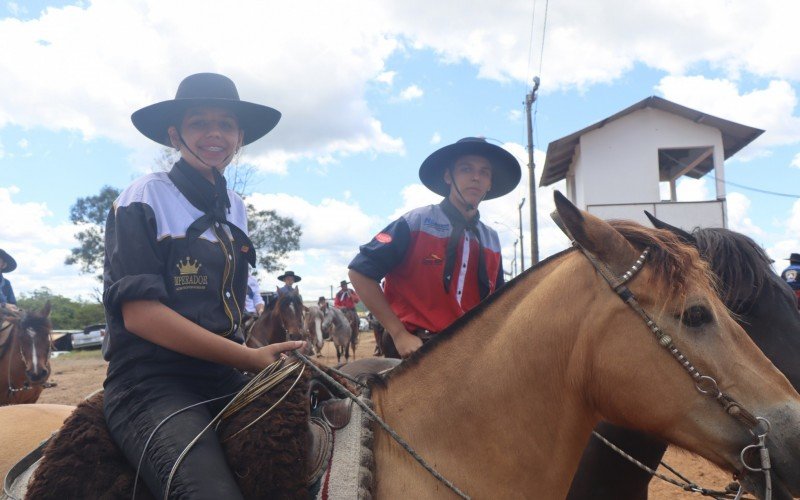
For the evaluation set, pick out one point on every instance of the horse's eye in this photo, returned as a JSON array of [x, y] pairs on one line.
[[696, 316]]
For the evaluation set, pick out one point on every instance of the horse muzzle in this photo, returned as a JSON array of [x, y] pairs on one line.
[[38, 377]]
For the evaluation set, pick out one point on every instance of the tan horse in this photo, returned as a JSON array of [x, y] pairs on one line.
[[503, 402], [23, 427], [24, 354]]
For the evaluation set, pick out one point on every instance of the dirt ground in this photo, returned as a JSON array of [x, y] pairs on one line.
[[79, 374]]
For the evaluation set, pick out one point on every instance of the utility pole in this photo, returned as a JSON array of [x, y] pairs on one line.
[[529, 100], [514, 262], [521, 252]]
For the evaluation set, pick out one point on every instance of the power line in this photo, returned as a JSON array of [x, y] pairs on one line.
[[544, 30], [763, 191]]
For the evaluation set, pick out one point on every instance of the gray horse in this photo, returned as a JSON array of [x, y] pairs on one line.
[[338, 327]]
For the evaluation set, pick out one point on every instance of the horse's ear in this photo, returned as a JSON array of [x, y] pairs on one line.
[[596, 235], [46, 309], [680, 233]]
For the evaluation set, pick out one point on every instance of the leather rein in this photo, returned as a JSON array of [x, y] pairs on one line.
[[759, 427]]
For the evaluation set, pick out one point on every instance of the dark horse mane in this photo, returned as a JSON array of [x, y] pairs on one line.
[[739, 263], [671, 259]]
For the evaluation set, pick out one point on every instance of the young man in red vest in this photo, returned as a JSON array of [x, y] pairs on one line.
[[438, 261]]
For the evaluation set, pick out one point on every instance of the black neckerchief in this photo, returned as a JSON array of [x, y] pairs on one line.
[[460, 225], [212, 200]]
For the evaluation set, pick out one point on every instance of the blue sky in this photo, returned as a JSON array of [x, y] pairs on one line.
[[367, 91]]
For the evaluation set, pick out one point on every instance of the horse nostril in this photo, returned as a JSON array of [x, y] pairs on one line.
[[295, 336]]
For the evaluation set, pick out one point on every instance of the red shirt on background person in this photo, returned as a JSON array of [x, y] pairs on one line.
[[346, 298]]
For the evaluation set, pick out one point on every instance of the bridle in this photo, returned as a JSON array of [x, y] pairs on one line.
[[759, 427]]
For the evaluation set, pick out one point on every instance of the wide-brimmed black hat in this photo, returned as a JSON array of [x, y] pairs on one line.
[[283, 276], [11, 264], [344, 283], [205, 89], [506, 171], [795, 257]]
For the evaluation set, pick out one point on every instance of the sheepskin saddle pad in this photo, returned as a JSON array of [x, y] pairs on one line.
[[271, 459]]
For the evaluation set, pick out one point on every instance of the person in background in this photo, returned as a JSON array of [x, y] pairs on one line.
[[791, 275], [7, 264], [322, 302], [289, 279], [174, 285], [346, 298], [253, 302], [439, 261]]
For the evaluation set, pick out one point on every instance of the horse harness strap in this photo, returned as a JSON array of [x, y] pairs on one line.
[[704, 384]]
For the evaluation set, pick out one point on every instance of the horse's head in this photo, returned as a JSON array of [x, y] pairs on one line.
[[33, 335], [761, 301], [678, 350], [290, 309]]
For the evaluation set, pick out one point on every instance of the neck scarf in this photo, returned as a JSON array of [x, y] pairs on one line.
[[460, 225], [212, 200]]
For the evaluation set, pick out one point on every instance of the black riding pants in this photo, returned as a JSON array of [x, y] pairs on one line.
[[134, 410]]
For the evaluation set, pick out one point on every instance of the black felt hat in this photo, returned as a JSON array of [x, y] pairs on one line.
[[344, 283], [795, 257], [283, 276], [205, 89], [11, 264], [506, 171]]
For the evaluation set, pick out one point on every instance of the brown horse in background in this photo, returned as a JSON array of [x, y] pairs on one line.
[[24, 354], [282, 320]]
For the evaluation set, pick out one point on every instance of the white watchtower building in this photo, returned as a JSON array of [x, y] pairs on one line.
[[615, 169]]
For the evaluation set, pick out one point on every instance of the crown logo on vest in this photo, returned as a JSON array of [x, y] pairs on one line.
[[188, 266]]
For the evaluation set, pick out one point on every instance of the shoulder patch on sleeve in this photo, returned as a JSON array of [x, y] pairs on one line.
[[383, 238]]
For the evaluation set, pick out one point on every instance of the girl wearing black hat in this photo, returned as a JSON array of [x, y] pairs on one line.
[[439, 261], [176, 268], [7, 264]]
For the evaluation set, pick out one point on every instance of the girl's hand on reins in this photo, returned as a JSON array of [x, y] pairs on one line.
[[262, 357]]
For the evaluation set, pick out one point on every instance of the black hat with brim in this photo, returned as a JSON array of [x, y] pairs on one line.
[[283, 276], [205, 89], [506, 171], [11, 264], [344, 283], [795, 257]]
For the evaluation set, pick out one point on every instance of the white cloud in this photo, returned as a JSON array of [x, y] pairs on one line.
[[40, 249], [410, 93], [436, 138], [332, 232], [796, 161], [739, 220], [386, 77], [148, 46], [769, 108], [23, 143], [689, 189]]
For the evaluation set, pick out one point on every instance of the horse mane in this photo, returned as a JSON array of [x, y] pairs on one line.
[[673, 263], [740, 264]]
